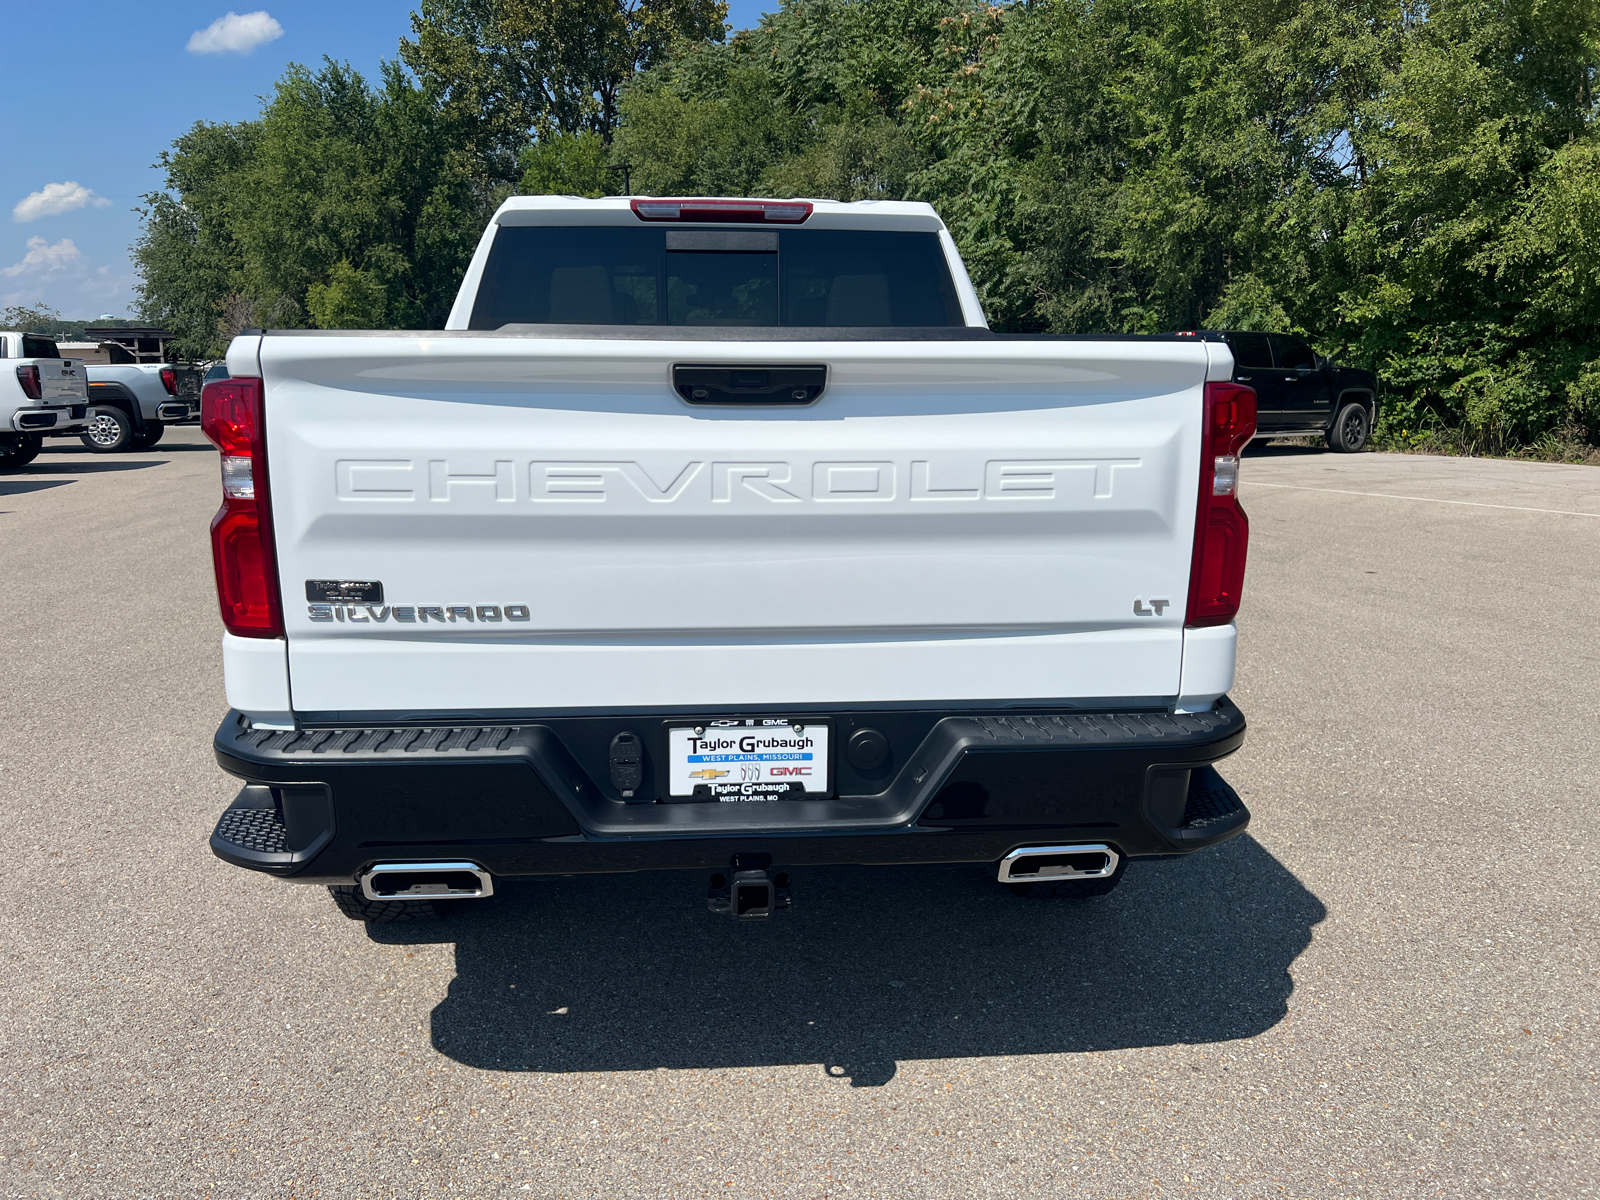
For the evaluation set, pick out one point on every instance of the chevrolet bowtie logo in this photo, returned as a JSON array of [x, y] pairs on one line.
[[707, 773]]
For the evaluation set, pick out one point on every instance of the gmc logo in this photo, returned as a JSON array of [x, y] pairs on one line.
[[716, 484]]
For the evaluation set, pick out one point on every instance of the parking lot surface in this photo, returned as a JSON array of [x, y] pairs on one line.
[[1388, 987]]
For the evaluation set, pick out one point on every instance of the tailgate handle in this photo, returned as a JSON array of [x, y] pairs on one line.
[[748, 383]]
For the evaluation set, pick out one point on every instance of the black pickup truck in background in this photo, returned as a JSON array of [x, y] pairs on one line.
[[1298, 392]]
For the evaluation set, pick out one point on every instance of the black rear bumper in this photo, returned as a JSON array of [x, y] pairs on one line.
[[535, 799]]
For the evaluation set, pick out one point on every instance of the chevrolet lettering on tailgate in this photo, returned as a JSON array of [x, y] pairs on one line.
[[919, 481]]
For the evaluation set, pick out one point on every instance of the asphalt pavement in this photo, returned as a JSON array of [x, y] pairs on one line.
[[1388, 987]]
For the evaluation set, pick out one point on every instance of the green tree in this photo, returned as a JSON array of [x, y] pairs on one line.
[[862, 155], [713, 123], [566, 164], [809, 104], [510, 70], [344, 206], [350, 299], [1471, 263], [187, 257]]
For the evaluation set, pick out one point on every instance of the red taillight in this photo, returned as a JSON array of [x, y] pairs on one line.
[[241, 532], [1221, 530], [169, 380], [742, 212], [28, 377]]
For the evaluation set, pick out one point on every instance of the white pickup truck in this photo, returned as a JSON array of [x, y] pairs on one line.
[[41, 394], [723, 535]]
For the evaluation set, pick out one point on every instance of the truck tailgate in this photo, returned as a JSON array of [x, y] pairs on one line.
[[62, 381], [554, 528]]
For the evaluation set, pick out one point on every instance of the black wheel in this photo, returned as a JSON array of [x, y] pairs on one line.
[[354, 904], [151, 435], [1071, 889], [18, 450], [110, 430], [1350, 429]]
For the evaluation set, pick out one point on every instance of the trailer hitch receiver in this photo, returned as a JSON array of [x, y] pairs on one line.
[[749, 890]]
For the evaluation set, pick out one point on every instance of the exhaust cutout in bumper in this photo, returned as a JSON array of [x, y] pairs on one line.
[[426, 881], [1030, 864]]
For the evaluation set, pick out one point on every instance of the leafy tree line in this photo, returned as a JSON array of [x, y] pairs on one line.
[[1416, 187]]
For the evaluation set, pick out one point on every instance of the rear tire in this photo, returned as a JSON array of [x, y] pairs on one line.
[[1070, 889], [354, 904], [151, 435], [18, 450], [110, 430], [1350, 429]]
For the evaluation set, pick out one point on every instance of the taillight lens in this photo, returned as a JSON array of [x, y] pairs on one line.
[[169, 380], [742, 212], [241, 533], [28, 377], [1221, 530]]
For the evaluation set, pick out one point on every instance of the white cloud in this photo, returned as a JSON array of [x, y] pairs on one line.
[[67, 279], [42, 257], [54, 199], [234, 34]]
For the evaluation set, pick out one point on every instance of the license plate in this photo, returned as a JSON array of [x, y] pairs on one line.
[[761, 758]]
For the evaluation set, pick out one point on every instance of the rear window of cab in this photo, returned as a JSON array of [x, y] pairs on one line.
[[617, 275]]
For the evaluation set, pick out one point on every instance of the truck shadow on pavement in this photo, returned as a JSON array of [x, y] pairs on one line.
[[92, 466], [17, 484], [871, 967], [19, 487]]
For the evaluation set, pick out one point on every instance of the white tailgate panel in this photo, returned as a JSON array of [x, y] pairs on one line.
[[62, 381], [951, 521]]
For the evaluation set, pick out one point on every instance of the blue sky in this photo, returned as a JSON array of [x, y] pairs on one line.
[[92, 99]]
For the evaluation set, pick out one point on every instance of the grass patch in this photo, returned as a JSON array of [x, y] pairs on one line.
[[1564, 444]]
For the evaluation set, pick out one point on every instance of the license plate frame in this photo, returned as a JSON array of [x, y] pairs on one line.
[[745, 759]]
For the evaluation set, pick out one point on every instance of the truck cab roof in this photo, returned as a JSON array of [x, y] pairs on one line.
[[719, 210], [17, 344]]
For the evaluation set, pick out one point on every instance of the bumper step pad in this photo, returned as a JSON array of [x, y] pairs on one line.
[[1212, 811], [257, 830], [1212, 803]]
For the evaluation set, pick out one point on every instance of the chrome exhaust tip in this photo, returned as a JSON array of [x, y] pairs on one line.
[[426, 881], [1030, 864]]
